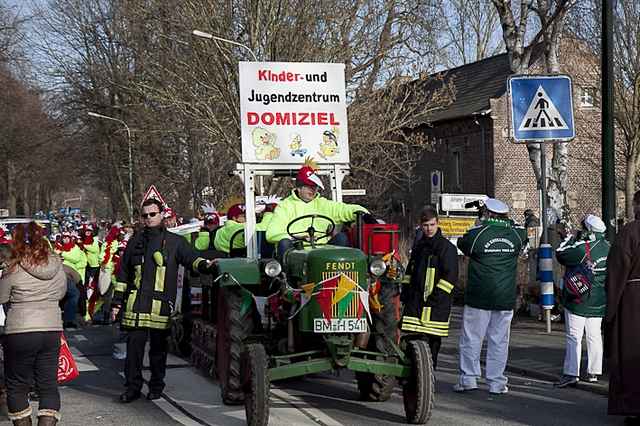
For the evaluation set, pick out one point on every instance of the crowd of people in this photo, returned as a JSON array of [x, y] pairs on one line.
[[110, 272]]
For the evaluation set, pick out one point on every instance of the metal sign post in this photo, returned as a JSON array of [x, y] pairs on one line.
[[542, 111]]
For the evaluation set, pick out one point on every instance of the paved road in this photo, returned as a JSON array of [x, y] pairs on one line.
[[192, 399]]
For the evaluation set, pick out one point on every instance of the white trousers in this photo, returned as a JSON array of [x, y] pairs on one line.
[[575, 326], [496, 326]]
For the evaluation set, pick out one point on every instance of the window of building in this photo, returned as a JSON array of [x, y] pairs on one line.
[[587, 97]]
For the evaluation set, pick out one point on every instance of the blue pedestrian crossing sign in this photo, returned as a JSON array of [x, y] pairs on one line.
[[541, 108]]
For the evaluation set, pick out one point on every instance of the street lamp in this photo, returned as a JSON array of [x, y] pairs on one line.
[[202, 34], [105, 117]]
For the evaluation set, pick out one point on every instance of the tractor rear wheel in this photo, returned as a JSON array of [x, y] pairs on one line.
[[376, 387], [255, 384], [234, 327], [418, 391]]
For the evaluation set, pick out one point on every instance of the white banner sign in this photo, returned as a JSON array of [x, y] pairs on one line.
[[291, 110]]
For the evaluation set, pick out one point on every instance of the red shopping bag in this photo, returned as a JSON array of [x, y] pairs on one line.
[[67, 367]]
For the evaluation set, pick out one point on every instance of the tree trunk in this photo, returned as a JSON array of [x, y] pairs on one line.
[[26, 209], [37, 205], [12, 198], [630, 186]]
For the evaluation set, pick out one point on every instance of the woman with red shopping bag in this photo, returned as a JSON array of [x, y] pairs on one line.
[[32, 286]]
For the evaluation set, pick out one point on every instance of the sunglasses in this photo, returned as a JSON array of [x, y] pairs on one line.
[[150, 214]]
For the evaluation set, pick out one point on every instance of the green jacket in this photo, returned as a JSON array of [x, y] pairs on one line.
[[203, 240], [293, 207], [264, 223], [76, 259], [93, 252], [572, 252], [224, 235], [493, 248]]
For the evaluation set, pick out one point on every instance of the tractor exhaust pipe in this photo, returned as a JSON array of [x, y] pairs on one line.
[[362, 340], [359, 231], [291, 344]]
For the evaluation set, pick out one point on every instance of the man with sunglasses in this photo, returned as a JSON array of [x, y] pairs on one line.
[[146, 285]]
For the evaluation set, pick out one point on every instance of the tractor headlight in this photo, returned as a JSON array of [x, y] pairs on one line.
[[272, 268], [377, 267]]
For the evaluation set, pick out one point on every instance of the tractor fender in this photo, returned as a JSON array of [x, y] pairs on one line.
[[234, 271]]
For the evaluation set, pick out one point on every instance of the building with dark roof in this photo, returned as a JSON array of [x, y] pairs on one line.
[[471, 147]]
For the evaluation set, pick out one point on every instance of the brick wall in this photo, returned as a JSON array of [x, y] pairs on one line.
[[475, 151], [501, 168]]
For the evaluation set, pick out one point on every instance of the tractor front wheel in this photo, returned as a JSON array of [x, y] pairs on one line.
[[234, 326], [255, 384], [418, 391], [377, 387]]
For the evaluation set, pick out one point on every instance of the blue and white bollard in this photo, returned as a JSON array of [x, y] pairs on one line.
[[545, 257]]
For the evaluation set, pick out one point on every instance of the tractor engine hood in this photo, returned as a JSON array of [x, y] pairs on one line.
[[329, 261]]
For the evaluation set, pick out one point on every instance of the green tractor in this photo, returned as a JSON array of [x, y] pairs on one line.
[[318, 308]]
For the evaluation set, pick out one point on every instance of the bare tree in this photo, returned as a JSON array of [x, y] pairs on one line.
[[626, 63], [470, 31], [138, 62], [519, 43]]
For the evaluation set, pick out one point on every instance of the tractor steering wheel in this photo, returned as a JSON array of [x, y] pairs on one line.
[[311, 232]]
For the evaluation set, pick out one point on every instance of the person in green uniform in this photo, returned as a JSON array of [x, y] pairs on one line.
[[493, 247], [585, 313]]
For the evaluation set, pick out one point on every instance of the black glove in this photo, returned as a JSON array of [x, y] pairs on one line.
[[207, 266], [369, 219]]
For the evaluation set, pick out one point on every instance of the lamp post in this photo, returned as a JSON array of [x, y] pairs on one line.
[[203, 34], [608, 129], [105, 117]]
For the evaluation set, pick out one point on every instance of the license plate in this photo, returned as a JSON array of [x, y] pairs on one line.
[[340, 325]]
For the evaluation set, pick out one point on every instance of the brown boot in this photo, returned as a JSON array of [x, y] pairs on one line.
[[21, 418], [25, 421], [47, 421]]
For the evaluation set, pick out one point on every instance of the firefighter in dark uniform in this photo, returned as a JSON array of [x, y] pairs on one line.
[[428, 284], [146, 286]]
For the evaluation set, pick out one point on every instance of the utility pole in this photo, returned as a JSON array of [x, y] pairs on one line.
[[608, 132]]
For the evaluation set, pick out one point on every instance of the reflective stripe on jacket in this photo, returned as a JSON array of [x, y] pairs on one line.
[[427, 288], [146, 283]]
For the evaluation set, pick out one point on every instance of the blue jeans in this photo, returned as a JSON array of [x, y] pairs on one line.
[[71, 304]]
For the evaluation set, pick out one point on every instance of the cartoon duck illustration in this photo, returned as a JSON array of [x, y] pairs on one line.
[[265, 144], [296, 146], [329, 146]]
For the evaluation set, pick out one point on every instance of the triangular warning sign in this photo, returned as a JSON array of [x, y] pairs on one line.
[[542, 114], [152, 192]]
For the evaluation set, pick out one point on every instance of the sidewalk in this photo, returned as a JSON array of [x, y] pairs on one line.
[[532, 352]]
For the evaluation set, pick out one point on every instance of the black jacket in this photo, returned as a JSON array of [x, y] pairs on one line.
[[426, 294], [147, 282]]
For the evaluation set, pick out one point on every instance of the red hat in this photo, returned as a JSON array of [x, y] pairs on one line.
[[168, 213], [307, 174], [235, 211], [5, 236], [213, 217]]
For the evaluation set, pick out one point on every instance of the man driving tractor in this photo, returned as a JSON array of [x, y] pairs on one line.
[[305, 200]]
